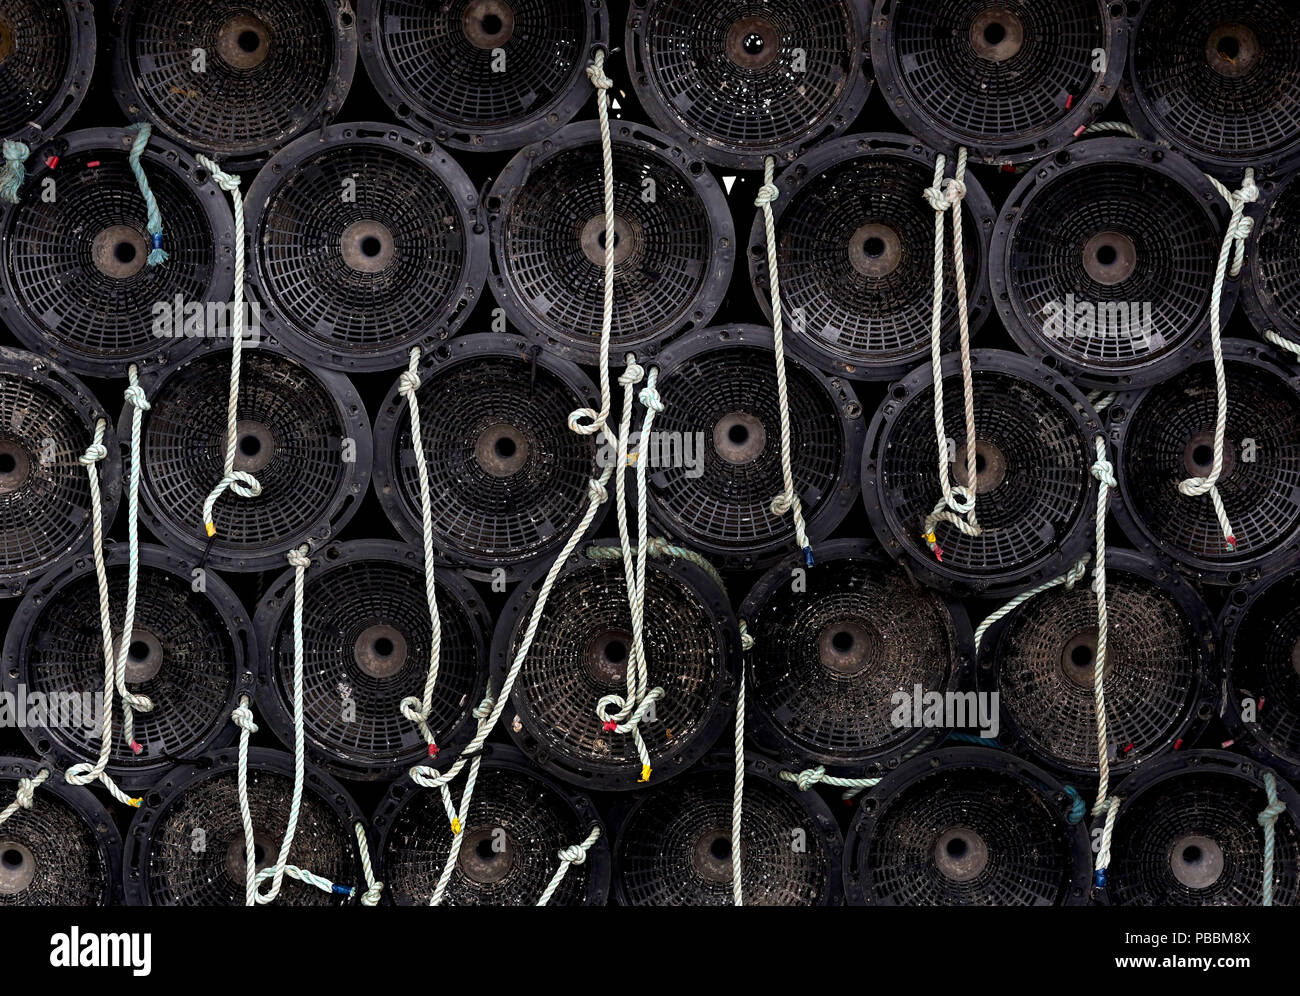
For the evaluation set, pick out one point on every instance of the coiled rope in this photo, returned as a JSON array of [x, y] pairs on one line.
[[25, 794], [574, 854], [240, 482], [154, 224], [956, 506], [15, 169]]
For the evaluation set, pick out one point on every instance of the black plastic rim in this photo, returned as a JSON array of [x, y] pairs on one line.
[[323, 798], [857, 256], [79, 806], [189, 693], [704, 795], [1055, 545], [1142, 848], [75, 286], [55, 514], [354, 284], [417, 55], [535, 861], [1194, 82], [1260, 671], [348, 624], [1197, 548], [726, 511], [547, 260], [276, 90], [533, 496], [52, 48], [1034, 106], [1064, 880], [1138, 230], [807, 737], [726, 79], [184, 446], [1269, 288], [582, 753], [1162, 700]]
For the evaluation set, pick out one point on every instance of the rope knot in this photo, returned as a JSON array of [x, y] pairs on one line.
[[596, 73], [936, 198], [243, 718], [809, 777], [658, 546], [15, 155], [1076, 573], [411, 709], [573, 854], [767, 193], [226, 181], [15, 152], [135, 396], [650, 398], [371, 896], [408, 383], [781, 504], [27, 788], [596, 492], [954, 191], [632, 374], [94, 453], [1104, 471], [299, 558], [484, 709]]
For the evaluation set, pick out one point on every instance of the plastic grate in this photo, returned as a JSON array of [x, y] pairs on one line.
[[1265, 652], [35, 59], [69, 868]]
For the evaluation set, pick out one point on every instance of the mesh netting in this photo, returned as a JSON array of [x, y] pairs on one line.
[[1276, 278], [1265, 667], [49, 855], [36, 59]]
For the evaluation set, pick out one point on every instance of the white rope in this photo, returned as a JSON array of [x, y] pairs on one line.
[[1069, 579], [573, 854], [1239, 227], [1104, 471], [373, 886], [787, 500], [240, 482], [738, 794], [24, 795], [1284, 343], [417, 710], [457, 824], [243, 718], [957, 504]]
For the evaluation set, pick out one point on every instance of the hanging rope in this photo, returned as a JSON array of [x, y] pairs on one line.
[[787, 500], [957, 504], [1104, 472], [240, 482], [457, 838], [154, 224], [738, 794], [417, 710], [15, 169], [574, 854], [1239, 227], [1069, 579], [1268, 820], [27, 789]]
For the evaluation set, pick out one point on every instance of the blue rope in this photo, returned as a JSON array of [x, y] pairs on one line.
[[142, 132], [1079, 807], [15, 170]]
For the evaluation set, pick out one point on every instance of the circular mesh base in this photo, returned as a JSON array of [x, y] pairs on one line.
[[55, 854], [75, 285], [1172, 418], [184, 655], [1274, 301], [1107, 265], [47, 55], [827, 661], [962, 835], [1264, 667], [1045, 658], [269, 73], [510, 477], [855, 251], [745, 80], [674, 848], [44, 490], [517, 824], [475, 88], [366, 639], [565, 674], [353, 281], [1011, 79], [1217, 79], [676, 247], [309, 487], [1035, 510], [1192, 839], [190, 852], [721, 400]]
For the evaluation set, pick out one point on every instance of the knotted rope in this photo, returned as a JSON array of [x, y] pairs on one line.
[[15, 169], [1268, 820], [154, 224], [1104, 472], [25, 794], [1069, 579], [240, 482], [573, 854]]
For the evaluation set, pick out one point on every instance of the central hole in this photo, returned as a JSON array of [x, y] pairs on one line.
[[753, 43], [505, 447], [616, 651], [1081, 656], [956, 847], [738, 434], [7, 463], [721, 848], [259, 853], [1106, 255], [842, 641], [994, 33], [371, 246], [1229, 47], [484, 849], [138, 650], [1191, 854], [124, 252], [250, 446], [491, 23], [383, 646], [874, 247], [601, 240], [248, 41], [979, 462], [1203, 455], [11, 859]]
